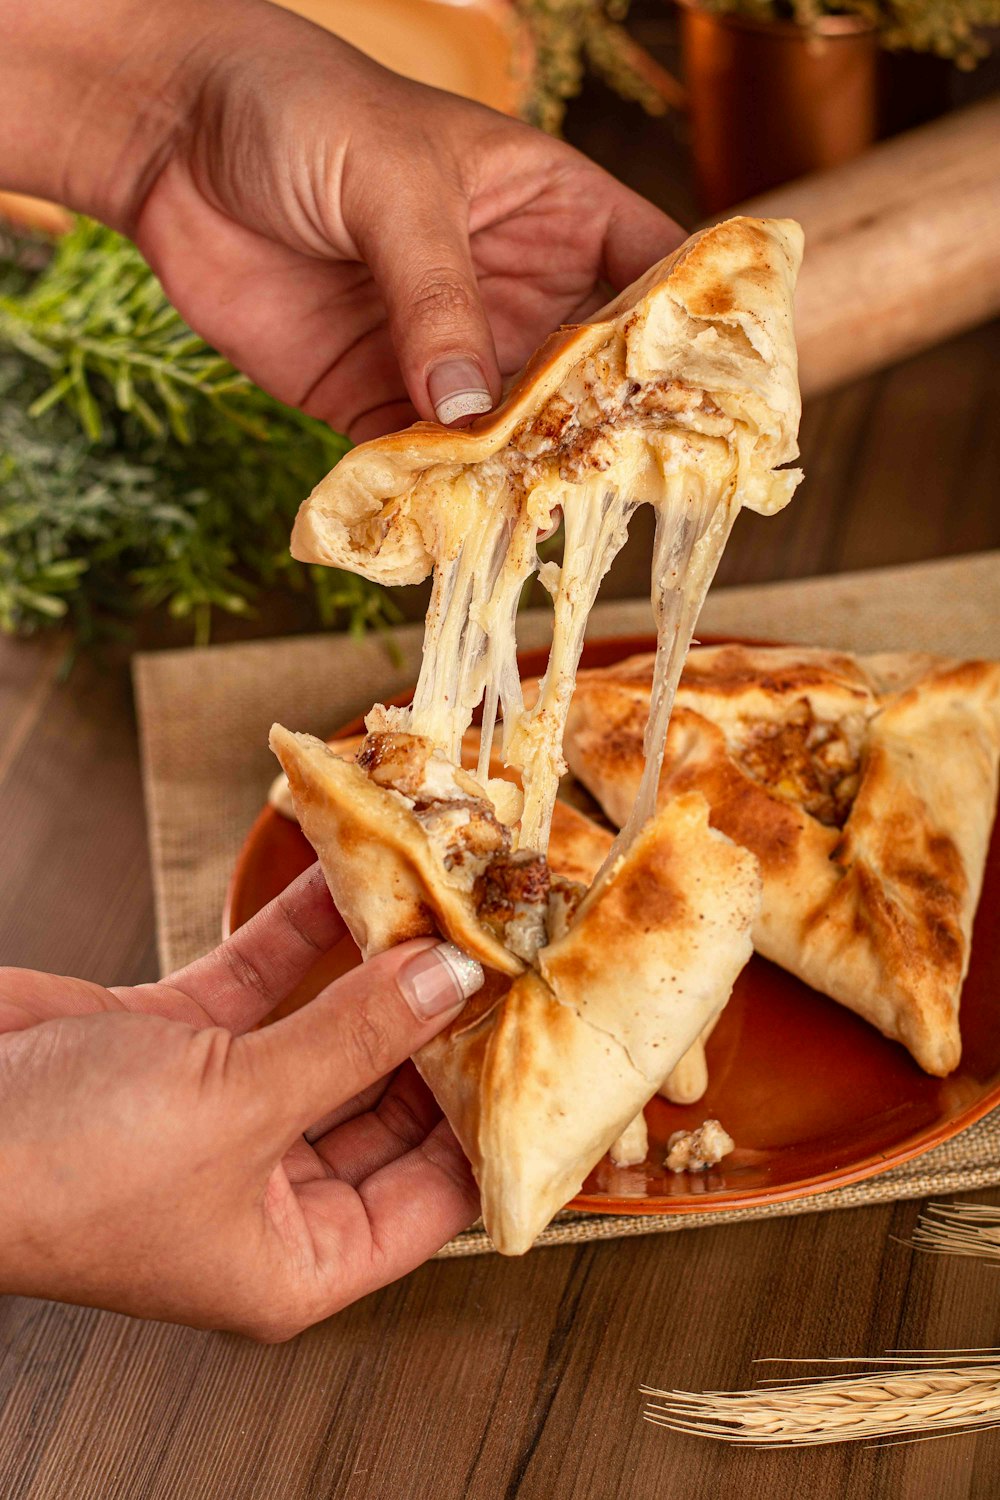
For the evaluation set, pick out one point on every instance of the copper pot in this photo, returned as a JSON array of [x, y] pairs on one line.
[[770, 100]]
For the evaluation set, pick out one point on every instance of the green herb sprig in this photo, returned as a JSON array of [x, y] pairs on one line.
[[138, 469], [572, 36]]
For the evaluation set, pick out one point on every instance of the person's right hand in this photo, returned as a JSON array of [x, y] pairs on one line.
[[163, 1159], [360, 245], [370, 249]]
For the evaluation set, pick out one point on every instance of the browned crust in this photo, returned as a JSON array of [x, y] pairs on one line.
[[359, 516], [879, 916]]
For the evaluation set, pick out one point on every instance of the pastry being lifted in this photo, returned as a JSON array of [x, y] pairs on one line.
[[682, 394]]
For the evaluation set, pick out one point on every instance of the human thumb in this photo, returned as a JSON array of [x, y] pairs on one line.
[[359, 1029]]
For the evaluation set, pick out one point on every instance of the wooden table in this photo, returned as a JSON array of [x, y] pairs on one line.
[[485, 1379]]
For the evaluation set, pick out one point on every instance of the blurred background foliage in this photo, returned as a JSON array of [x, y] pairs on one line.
[[138, 469]]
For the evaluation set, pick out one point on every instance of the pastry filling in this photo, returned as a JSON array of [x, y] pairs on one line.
[[575, 427], [697, 1150], [812, 762], [602, 445], [515, 894], [524, 904]]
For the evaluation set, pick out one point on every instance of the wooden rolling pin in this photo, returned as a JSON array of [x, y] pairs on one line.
[[902, 246]]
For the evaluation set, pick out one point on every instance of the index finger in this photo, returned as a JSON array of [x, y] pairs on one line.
[[637, 235], [243, 980]]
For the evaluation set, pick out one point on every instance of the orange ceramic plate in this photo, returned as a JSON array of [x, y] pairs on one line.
[[813, 1097]]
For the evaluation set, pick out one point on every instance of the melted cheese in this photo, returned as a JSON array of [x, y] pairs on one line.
[[632, 1146], [596, 523], [599, 448], [693, 523]]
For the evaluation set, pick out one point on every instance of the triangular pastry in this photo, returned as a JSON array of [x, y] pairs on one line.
[[683, 394], [865, 785], [593, 997]]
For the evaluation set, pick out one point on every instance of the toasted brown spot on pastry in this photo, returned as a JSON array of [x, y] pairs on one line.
[[866, 786]]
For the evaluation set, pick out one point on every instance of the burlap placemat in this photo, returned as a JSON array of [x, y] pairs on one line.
[[204, 716]]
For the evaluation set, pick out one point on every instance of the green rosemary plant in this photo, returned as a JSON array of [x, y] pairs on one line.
[[138, 469]]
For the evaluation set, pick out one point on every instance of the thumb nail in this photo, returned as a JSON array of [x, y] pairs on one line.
[[457, 388], [439, 979]]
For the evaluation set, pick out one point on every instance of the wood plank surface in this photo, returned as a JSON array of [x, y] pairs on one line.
[[486, 1379]]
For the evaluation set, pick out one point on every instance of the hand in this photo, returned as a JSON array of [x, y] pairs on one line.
[[369, 248], [153, 1147], [360, 245]]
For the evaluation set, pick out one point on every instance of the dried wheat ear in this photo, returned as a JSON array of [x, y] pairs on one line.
[[911, 1397], [960, 1229]]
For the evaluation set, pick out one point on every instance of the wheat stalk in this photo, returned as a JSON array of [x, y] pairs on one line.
[[960, 1229], [933, 1393]]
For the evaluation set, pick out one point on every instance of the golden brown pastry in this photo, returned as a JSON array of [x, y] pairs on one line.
[[682, 394], [594, 996], [865, 785]]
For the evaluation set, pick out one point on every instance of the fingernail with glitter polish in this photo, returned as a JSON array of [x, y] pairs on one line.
[[457, 389], [439, 979]]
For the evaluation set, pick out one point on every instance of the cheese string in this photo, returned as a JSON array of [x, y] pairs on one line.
[[596, 528], [691, 535], [491, 702], [470, 592], [503, 682]]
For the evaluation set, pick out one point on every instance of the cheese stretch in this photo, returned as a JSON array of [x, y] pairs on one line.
[[681, 394], [488, 552]]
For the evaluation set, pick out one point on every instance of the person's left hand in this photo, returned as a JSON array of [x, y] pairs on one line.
[[153, 1152]]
